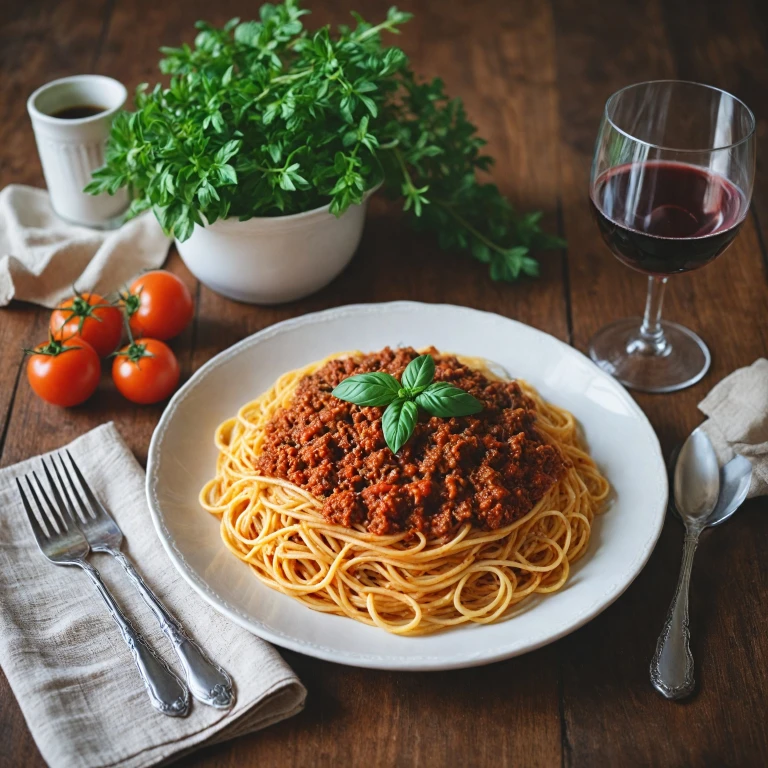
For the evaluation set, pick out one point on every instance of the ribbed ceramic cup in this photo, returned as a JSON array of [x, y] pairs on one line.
[[71, 149]]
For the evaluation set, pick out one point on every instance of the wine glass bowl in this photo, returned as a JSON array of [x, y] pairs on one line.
[[670, 187]]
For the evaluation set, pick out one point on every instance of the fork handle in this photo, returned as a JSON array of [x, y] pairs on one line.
[[166, 692], [207, 681]]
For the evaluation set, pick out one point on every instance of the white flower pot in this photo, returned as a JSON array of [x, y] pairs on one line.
[[274, 259]]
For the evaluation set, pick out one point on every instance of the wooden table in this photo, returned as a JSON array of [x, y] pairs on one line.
[[534, 75]]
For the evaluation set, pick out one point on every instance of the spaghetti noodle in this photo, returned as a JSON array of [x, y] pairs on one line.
[[407, 582]]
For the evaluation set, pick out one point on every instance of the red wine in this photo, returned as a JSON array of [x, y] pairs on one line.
[[662, 218]]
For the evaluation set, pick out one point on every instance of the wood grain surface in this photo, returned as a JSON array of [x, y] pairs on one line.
[[534, 75]]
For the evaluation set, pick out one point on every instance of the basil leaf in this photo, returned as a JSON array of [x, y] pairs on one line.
[[375, 388], [443, 399], [419, 372], [398, 422]]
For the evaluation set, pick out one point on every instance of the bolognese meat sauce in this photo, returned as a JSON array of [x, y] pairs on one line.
[[489, 469]]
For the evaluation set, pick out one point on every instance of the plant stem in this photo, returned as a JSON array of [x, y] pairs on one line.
[[373, 30], [283, 79], [294, 76], [449, 209], [404, 168], [464, 223]]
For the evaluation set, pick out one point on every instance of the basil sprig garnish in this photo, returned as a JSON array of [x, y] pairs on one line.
[[404, 398]]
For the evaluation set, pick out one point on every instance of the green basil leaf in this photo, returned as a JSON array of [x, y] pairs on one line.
[[445, 400], [419, 372], [367, 389], [227, 174], [398, 422]]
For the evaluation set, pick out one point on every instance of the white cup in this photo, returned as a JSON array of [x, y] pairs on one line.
[[71, 149]]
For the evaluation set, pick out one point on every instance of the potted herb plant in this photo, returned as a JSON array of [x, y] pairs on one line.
[[261, 153]]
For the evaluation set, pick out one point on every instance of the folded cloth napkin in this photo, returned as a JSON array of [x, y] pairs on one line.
[[738, 420], [42, 257], [64, 656]]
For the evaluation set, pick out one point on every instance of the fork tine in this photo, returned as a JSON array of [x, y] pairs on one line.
[[49, 523], [47, 519], [52, 512], [97, 508], [71, 489], [40, 534], [56, 495], [76, 518]]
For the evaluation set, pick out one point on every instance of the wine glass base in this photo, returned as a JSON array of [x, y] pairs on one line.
[[618, 349]]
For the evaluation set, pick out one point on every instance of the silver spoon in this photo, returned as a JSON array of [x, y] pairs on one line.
[[696, 491], [735, 479]]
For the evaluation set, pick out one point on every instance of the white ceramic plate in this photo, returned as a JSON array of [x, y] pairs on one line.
[[182, 457]]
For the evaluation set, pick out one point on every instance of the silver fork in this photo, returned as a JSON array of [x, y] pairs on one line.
[[62, 542], [207, 681]]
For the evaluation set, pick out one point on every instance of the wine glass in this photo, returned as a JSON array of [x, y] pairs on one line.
[[670, 187]]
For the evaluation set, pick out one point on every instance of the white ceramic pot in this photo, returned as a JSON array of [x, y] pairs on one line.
[[274, 259]]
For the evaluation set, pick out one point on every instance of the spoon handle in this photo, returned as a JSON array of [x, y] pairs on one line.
[[672, 664]]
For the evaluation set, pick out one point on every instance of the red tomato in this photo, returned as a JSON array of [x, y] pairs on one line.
[[90, 317], [64, 373], [146, 371], [158, 305]]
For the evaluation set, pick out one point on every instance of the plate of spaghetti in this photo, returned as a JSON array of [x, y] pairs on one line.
[[406, 486]]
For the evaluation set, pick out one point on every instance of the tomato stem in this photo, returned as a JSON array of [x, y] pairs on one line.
[[53, 348], [135, 351], [131, 302], [82, 309]]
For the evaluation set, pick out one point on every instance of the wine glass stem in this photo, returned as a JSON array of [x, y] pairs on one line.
[[652, 340]]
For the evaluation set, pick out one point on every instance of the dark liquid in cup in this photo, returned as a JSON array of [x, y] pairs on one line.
[[662, 218], [79, 111]]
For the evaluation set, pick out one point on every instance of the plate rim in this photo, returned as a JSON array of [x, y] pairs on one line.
[[608, 596]]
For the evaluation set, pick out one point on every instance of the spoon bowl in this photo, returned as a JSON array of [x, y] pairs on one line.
[[696, 479], [735, 479]]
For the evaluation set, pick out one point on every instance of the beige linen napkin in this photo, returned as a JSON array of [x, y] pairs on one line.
[[738, 420], [66, 661], [42, 257]]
